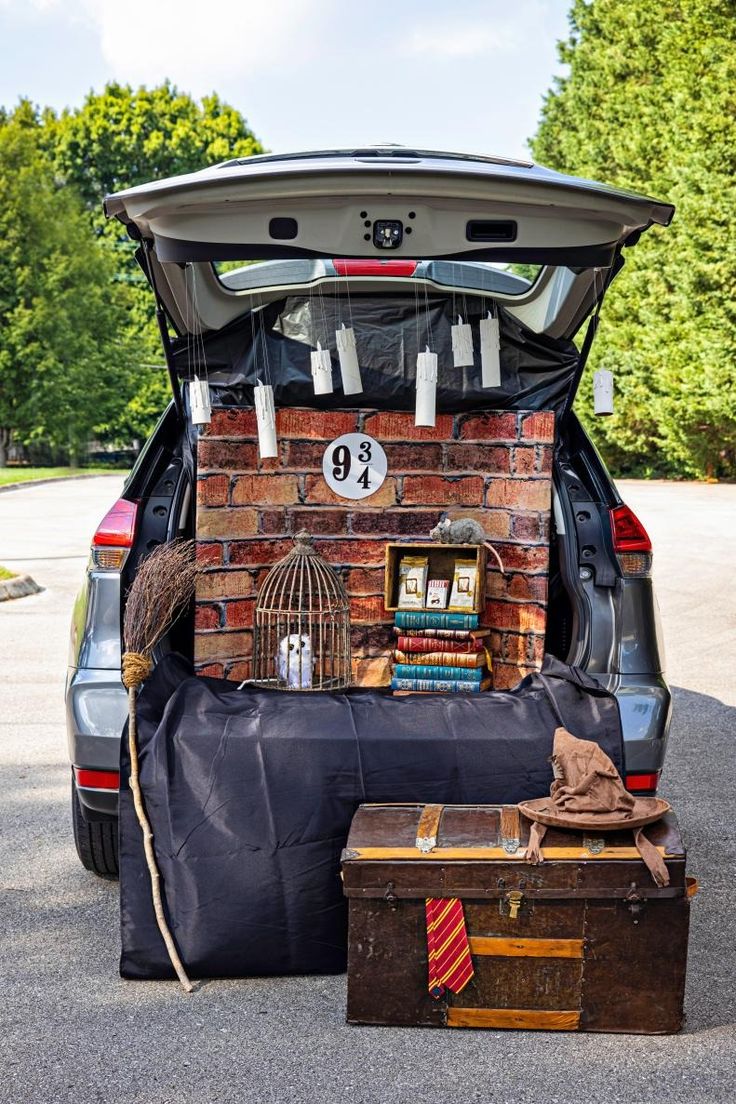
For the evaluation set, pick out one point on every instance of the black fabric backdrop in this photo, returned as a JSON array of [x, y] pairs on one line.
[[250, 794], [274, 345]]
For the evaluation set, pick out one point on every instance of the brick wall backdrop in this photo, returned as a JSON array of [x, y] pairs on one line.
[[494, 467]]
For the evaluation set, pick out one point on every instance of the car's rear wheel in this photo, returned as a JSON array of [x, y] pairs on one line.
[[96, 841]]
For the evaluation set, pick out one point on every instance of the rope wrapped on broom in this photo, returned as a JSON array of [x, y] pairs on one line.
[[163, 587]]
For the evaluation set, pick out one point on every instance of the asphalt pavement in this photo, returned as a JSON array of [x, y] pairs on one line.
[[72, 1030]]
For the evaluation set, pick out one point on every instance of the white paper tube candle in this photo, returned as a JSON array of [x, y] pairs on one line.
[[321, 371], [603, 391], [490, 347], [199, 402], [266, 420], [426, 388], [348, 356], [462, 344]]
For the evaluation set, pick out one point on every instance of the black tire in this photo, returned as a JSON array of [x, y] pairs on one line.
[[96, 841]]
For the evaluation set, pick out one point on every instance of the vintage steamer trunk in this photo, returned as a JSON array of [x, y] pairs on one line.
[[585, 941]]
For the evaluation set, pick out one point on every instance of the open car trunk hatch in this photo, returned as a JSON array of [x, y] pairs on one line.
[[379, 204], [338, 204], [473, 222]]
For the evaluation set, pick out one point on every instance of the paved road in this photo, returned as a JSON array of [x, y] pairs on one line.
[[71, 1030]]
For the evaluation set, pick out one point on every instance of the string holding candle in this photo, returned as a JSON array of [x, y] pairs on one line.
[[320, 360], [426, 374], [603, 377], [198, 388], [263, 398], [347, 352]]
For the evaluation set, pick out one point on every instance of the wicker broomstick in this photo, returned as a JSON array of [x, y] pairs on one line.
[[163, 586]]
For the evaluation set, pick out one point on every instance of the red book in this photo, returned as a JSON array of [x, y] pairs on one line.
[[429, 644]]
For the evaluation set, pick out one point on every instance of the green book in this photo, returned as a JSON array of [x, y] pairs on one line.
[[430, 671], [439, 686], [431, 619]]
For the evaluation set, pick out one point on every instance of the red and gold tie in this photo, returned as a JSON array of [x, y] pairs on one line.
[[450, 964]]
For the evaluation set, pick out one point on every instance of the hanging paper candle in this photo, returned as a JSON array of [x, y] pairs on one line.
[[462, 344], [490, 348], [321, 371], [199, 402], [426, 388], [266, 420], [603, 391], [348, 356]]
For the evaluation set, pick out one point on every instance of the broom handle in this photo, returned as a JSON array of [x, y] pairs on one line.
[[140, 812]]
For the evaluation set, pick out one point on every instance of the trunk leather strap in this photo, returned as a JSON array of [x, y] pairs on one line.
[[428, 828], [510, 828]]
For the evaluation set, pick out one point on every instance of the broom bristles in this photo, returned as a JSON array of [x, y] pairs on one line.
[[163, 586]]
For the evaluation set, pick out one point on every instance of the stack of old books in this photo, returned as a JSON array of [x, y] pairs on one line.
[[440, 652]]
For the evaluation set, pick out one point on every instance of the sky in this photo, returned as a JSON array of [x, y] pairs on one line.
[[307, 74]]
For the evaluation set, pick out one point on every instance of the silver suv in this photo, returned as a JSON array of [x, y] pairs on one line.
[[223, 248]]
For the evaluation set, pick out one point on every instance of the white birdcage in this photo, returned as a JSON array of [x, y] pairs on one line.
[[302, 624]]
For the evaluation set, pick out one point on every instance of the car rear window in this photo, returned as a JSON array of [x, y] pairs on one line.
[[507, 279]]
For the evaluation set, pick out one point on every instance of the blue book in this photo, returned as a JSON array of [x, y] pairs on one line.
[[429, 671], [439, 686], [431, 619]]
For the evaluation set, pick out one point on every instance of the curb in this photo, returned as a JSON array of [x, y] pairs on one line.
[[55, 479], [18, 587]]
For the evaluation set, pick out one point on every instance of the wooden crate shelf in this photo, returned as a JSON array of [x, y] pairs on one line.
[[441, 559]]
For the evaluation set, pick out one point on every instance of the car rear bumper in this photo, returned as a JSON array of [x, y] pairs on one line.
[[645, 705], [96, 710]]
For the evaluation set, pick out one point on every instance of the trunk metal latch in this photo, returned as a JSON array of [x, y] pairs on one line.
[[594, 845], [514, 898], [635, 902]]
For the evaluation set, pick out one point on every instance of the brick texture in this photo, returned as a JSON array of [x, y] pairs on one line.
[[494, 467]]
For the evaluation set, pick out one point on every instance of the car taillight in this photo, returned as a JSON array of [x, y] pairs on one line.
[[114, 536], [374, 268], [97, 779], [642, 783], [631, 543]]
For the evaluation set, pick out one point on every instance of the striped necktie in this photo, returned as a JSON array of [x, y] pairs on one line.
[[450, 964]]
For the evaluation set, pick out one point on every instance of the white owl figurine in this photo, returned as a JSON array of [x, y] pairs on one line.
[[297, 675]]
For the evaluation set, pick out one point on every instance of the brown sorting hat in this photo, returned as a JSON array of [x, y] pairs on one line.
[[588, 794]]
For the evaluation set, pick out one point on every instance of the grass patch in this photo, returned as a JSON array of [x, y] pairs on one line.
[[21, 475], [5, 574]]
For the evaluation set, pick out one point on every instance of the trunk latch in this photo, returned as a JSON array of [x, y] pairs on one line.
[[514, 898], [635, 902], [594, 845]]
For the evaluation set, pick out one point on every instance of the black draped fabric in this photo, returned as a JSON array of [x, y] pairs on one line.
[[274, 344], [250, 794]]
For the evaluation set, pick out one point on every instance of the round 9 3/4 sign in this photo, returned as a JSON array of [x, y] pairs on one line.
[[354, 465]]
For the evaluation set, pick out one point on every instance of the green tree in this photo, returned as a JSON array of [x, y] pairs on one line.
[[649, 103], [121, 137], [65, 360]]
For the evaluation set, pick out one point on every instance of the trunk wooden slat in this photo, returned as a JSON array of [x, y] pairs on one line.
[[584, 941]]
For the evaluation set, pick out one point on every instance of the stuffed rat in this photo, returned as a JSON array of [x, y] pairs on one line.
[[463, 531]]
